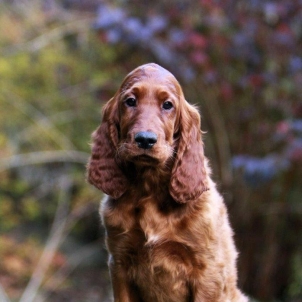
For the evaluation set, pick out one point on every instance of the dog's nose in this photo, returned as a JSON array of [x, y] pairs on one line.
[[145, 139]]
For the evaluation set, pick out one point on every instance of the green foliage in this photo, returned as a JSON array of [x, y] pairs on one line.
[[49, 87]]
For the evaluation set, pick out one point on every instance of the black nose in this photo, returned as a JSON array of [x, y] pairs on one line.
[[145, 139]]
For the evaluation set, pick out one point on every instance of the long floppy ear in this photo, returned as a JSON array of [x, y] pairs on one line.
[[103, 170], [189, 179]]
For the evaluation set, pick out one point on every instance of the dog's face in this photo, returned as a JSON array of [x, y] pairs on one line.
[[148, 122], [148, 106]]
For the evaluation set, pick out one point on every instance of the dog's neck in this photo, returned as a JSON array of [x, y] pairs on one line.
[[150, 180]]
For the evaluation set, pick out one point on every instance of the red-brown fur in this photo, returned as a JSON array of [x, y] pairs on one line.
[[167, 229]]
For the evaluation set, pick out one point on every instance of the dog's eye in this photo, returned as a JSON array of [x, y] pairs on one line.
[[167, 105], [131, 102]]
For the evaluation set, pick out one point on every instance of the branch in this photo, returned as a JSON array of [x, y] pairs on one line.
[[42, 121], [3, 296], [52, 244], [43, 157], [73, 261], [50, 37]]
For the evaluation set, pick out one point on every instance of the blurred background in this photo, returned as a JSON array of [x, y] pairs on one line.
[[60, 60]]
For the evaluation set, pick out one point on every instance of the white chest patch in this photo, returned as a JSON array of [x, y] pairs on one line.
[[153, 238]]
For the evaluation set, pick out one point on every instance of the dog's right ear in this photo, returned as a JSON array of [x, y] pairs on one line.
[[189, 175], [103, 170]]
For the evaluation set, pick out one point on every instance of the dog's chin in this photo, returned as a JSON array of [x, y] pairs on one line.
[[145, 160]]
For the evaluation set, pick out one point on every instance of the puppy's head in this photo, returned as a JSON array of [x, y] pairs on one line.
[[149, 122]]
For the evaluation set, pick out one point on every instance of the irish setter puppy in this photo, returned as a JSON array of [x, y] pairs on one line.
[[167, 229]]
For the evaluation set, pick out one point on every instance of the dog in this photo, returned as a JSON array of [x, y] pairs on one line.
[[167, 229]]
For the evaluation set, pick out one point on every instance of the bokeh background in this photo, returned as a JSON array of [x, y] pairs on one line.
[[60, 60]]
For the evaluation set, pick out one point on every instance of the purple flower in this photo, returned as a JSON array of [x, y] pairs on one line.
[[258, 171], [108, 17]]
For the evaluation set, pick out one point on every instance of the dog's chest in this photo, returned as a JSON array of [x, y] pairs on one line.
[[152, 248], [161, 264], [148, 237]]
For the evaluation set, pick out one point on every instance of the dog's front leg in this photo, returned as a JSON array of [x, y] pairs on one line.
[[123, 290], [208, 286]]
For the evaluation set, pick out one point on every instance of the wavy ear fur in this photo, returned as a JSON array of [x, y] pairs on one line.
[[188, 180], [102, 169]]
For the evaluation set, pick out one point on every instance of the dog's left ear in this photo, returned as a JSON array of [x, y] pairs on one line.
[[103, 169], [189, 178]]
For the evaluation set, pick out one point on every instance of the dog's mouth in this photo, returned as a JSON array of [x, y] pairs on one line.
[[145, 159]]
